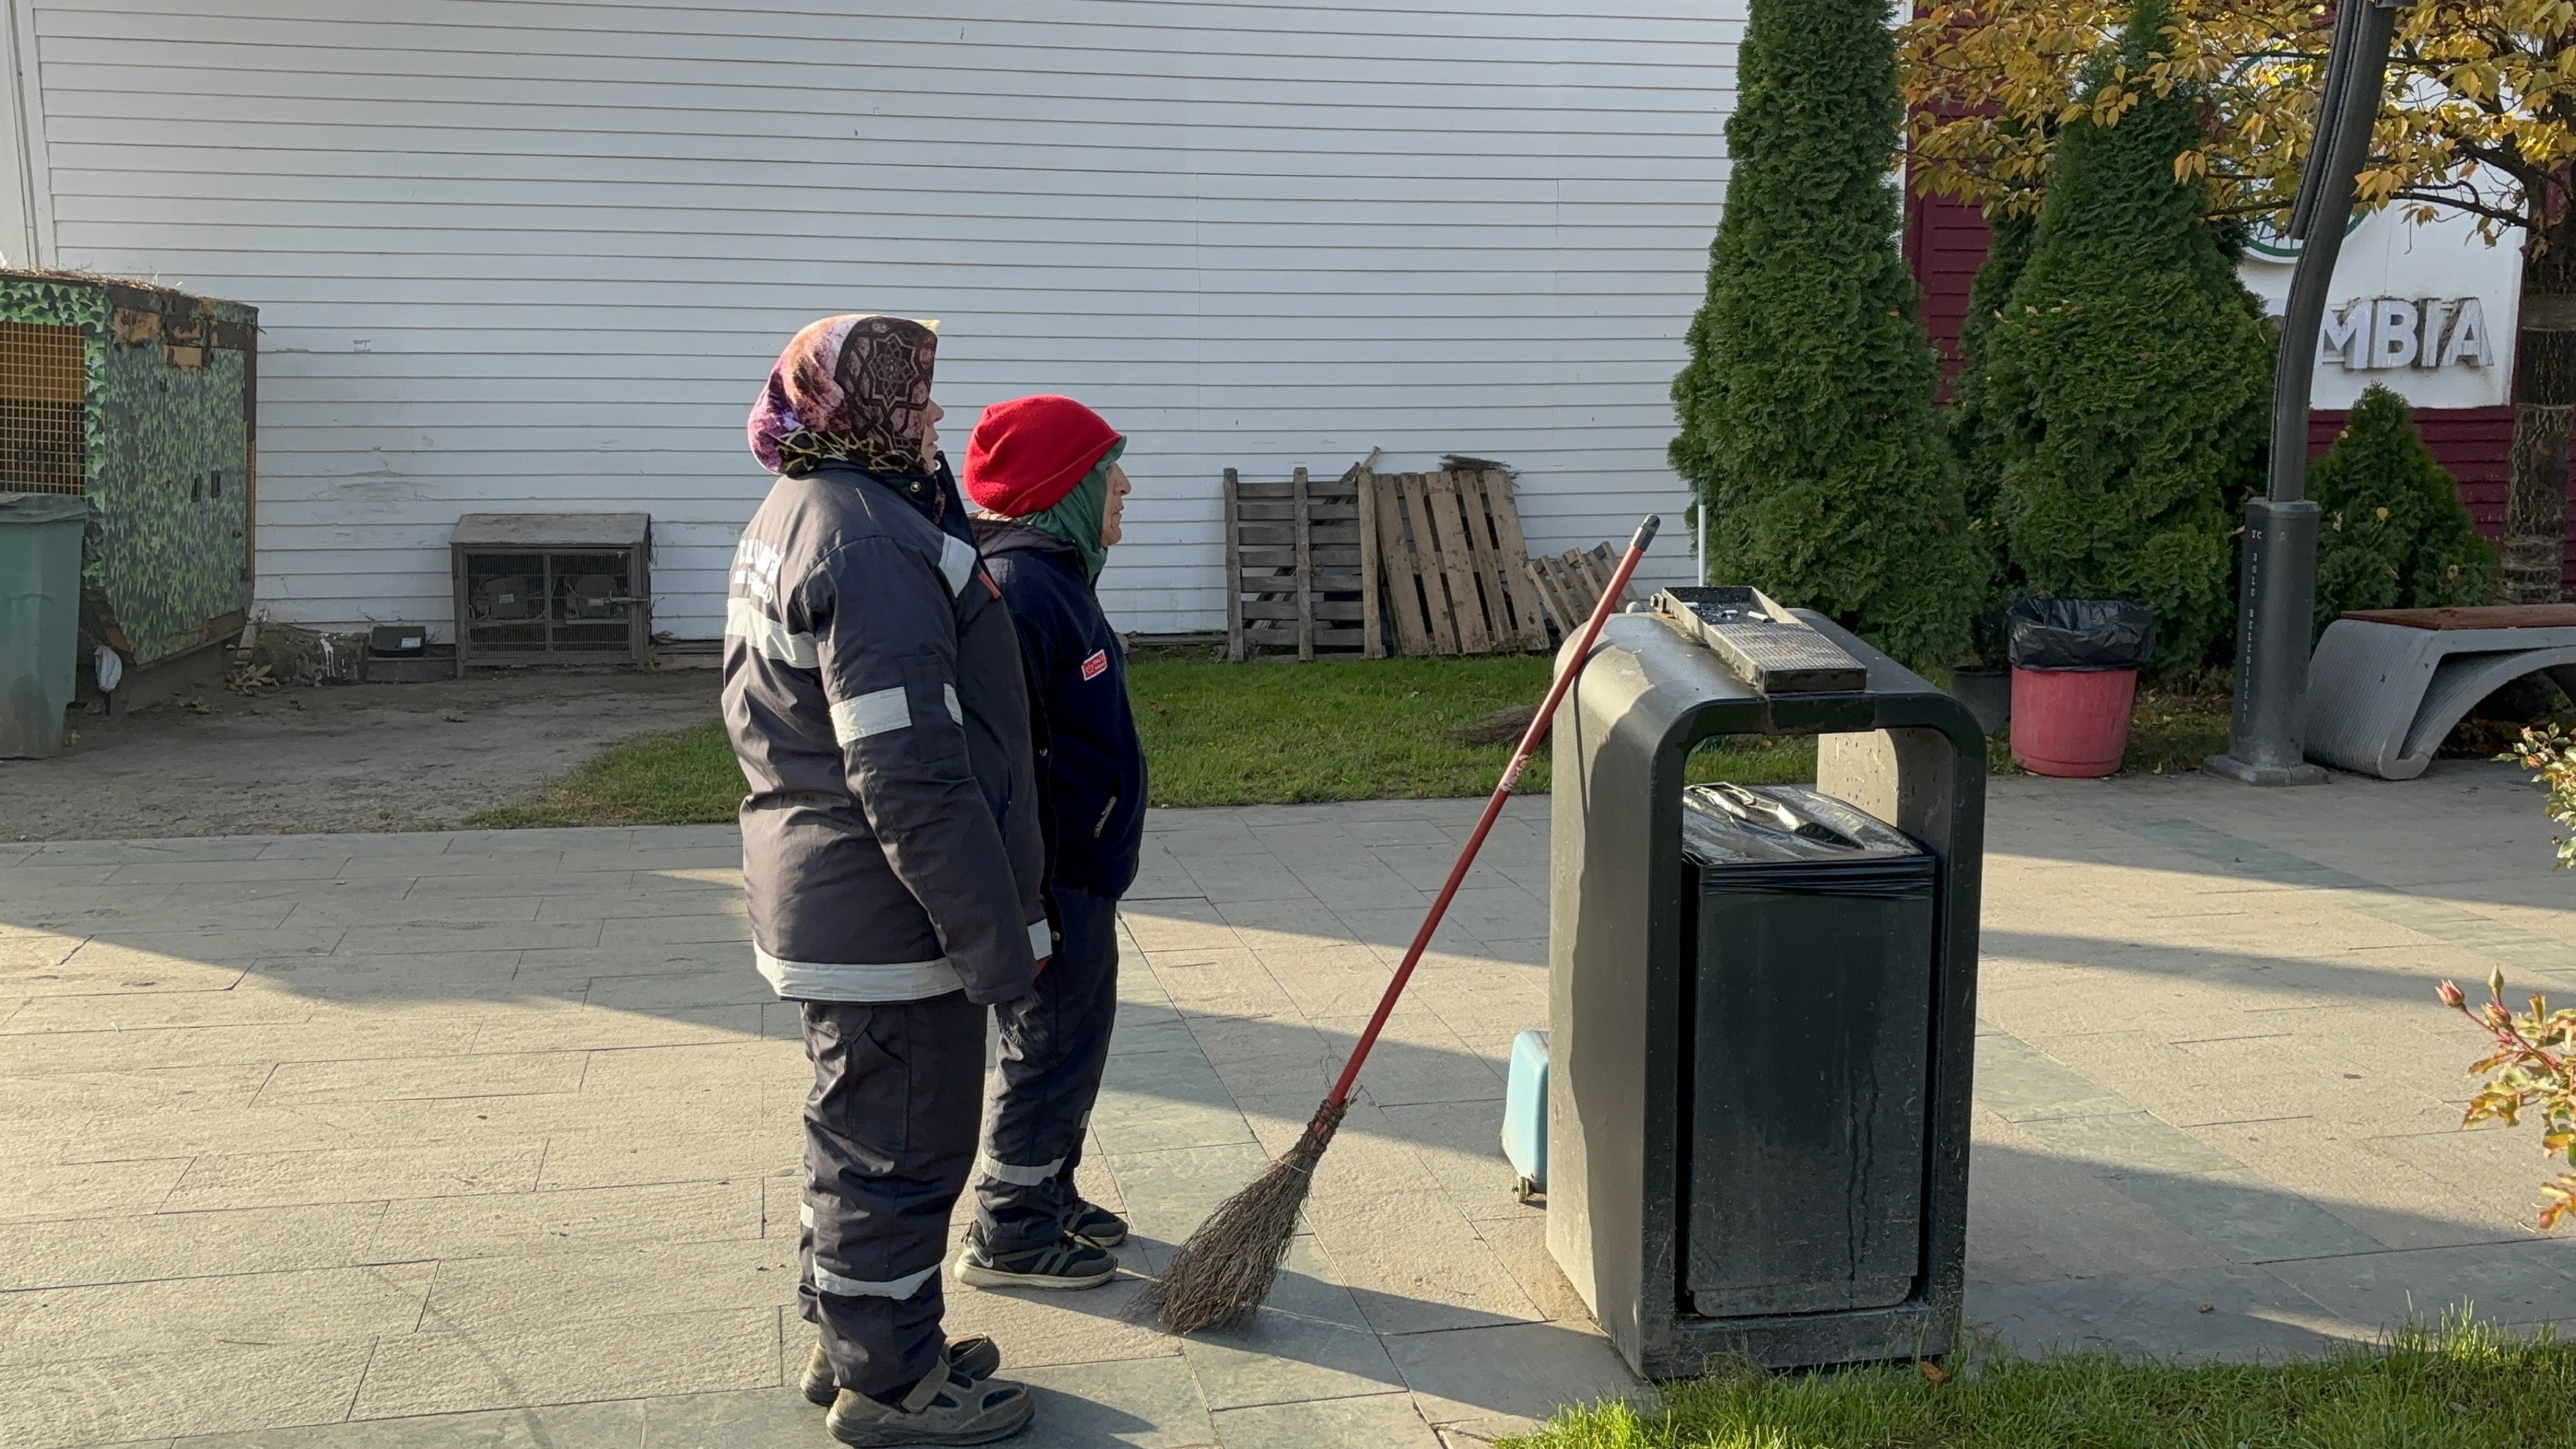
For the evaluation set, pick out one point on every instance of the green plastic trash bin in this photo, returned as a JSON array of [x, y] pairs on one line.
[[40, 558]]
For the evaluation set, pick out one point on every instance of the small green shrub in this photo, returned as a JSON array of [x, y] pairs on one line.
[[2394, 535]]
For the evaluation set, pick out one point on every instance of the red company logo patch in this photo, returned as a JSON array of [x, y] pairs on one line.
[[1096, 666]]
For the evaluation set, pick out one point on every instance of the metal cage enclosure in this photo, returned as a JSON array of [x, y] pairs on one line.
[[552, 588]]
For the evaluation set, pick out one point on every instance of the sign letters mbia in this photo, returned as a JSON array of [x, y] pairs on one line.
[[2376, 333]]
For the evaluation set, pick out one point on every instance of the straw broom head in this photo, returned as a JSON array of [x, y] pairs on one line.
[[1221, 1275]]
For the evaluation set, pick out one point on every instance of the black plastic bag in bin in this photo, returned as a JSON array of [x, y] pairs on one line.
[[2078, 634]]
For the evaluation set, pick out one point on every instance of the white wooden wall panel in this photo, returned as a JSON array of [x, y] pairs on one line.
[[538, 254]]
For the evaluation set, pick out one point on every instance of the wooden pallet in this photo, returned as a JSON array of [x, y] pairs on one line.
[[1452, 551], [1573, 581], [1298, 559]]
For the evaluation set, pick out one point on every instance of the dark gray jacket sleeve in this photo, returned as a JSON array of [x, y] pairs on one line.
[[885, 637]]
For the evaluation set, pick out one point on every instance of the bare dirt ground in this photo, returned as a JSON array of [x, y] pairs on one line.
[[337, 757]]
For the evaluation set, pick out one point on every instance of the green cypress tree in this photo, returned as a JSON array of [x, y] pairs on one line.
[[2394, 535], [1807, 428], [2125, 387]]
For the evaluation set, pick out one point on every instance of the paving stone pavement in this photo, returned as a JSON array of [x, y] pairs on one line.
[[489, 1138]]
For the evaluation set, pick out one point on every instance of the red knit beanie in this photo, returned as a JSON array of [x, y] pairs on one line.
[[1026, 454]]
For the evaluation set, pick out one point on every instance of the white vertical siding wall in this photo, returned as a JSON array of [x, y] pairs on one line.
[[512, 254]]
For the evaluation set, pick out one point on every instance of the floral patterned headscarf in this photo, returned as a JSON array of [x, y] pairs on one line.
[[850, 389]]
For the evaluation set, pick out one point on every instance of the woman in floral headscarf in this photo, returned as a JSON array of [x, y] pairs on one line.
[[852, 389], [892, 854]]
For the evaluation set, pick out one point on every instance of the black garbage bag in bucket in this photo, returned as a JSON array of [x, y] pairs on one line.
[[2079, 635]]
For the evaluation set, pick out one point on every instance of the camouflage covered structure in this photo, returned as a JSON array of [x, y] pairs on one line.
[[142, 400]]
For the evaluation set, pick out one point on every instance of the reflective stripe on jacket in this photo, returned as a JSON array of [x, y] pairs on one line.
[[874, 694]]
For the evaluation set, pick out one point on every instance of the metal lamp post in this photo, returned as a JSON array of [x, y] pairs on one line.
[[2277, 592]]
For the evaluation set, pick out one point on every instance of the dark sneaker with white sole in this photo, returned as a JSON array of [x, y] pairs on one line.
[[977, 1357], [946, 1407], [1068, 1262], [1095, 1224]]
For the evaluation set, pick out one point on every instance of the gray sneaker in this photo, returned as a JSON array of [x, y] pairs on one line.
[[975, 1356], [946, 1407], [1068, 1262]]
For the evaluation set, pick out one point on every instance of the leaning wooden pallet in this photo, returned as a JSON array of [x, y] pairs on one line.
[[1298, 557], [1571, 582], [1451, 552]]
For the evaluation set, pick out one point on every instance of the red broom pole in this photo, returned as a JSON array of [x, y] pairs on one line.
[[1222, 1274], [1537, 731]]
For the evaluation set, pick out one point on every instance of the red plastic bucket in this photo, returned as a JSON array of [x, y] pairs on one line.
[[2071, 723]]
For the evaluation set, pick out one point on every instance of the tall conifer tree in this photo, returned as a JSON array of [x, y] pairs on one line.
[[1807, 428], [2123, 394]]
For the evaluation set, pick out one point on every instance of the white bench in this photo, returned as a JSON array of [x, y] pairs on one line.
[[2386, 685]]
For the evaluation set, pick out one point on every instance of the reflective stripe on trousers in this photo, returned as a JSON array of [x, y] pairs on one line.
[[889, 1142]]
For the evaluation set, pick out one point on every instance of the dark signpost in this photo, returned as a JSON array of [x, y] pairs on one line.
[[2266, 738]]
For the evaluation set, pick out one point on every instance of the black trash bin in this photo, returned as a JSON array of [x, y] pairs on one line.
[[1762, 1012], [1811, 939]]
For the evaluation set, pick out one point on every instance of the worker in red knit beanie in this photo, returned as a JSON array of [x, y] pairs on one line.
[[1050, 498]]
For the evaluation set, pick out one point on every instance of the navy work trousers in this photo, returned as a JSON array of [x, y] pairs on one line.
[[1045, 1078], [889, 1141]]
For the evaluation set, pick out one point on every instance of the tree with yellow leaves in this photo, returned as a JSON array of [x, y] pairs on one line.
[[2479, 118]]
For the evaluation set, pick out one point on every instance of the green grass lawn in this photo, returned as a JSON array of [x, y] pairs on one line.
[[2462, 1388], [1267, 734]]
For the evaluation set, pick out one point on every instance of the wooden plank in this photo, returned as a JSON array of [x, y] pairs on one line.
[[1233, 574], [1606, 559], [1571, 591], [1478, 545], [1537, 572], [1338, 610], [2483, 616], [1329, 557], [1305, 574], [1576, 589], [1284, 535], [1482, 561], [1285, 511], [1436, 614], [1595, 584], [1506, 582], [1514, 549], [1542, 575], [1346, 514], [1457, 563], [1396, 570], [1594, 567]]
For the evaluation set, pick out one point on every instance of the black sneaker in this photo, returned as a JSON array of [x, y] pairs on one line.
[[1068, 1262], [977, 1357], [946, 1407], [1095, 1224]]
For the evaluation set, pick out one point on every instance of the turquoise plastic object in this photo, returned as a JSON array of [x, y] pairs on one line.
[[1525, 1112], [40, 558]]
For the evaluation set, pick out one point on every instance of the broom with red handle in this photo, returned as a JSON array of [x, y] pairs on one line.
[[1224, 1271]]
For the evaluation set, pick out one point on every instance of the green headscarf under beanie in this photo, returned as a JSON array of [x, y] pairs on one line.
[[1076, 516]]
